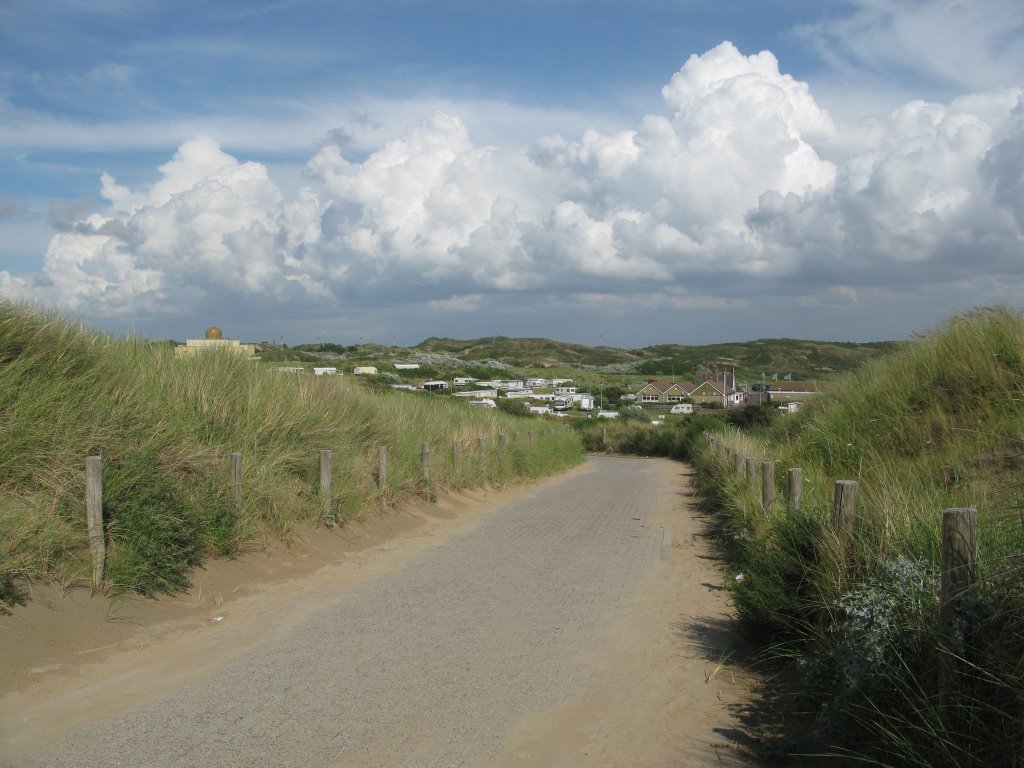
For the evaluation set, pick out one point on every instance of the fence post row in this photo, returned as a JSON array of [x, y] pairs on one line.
[[767, 484], [236, 480], [326, 509], [796, 477], [844, 508], [737, 463], [94, 517], [751, 473], [959, 554], [382, 465]]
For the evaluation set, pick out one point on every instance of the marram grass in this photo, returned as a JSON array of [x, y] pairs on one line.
[[939, 424], [165, 427]]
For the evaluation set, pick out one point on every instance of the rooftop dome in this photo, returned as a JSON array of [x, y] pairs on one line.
[[213, 332]]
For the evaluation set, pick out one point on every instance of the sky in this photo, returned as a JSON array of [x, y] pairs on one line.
[[619, 173]]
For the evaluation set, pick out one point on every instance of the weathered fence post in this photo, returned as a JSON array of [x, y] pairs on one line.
[[604, 437], [751, 473], [457, 457], [426, 463], [236, 480], [737, 463], [959, 553], [94, 517], [767, 484], [501, 441], [326, 510], [532, 438], [382, 465], [844, 508], [796, 490]]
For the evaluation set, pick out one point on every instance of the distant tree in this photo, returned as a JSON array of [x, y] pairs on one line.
[[752, 416], [633, 413], [513, 407]]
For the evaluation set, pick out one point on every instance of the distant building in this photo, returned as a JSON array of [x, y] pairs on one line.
[[214, 341], [786, 392], [406, 366], [364, 370]]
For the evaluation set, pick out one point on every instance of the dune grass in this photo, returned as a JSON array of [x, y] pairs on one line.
[[938, 424], [165, 427]]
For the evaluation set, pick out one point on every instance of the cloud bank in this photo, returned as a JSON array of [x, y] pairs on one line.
[[743, 187]]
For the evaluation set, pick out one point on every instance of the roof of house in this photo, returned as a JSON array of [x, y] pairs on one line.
[[795, 386], [660, 386]]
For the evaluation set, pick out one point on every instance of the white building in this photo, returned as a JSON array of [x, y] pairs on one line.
[[364, 370], [406, 366]]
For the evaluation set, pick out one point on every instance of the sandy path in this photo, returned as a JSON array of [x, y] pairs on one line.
[[573, 623]]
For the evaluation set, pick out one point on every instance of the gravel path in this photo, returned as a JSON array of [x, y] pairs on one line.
[[429, 666]]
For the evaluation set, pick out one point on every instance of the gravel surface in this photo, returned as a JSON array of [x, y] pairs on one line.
[[429, 666]]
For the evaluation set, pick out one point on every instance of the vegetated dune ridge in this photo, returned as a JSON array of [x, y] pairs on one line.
[[938, 425], [165, 428]]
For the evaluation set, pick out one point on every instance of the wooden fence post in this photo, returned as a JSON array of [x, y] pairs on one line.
[[426, 463], [94, 517], [751, 473], [501, 441], [796, 490], [959, 555], [236, 480], [844, 508], [382, 465], [326, 510], [604, 437], [737, 463], [767, 484], [457, 457]]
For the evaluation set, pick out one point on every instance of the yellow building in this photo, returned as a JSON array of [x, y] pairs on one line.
[[215, 341]]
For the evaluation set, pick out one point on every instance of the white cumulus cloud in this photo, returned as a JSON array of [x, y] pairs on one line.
[[743, 186]]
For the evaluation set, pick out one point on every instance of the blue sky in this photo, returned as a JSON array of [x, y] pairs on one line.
[[637, 172]]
